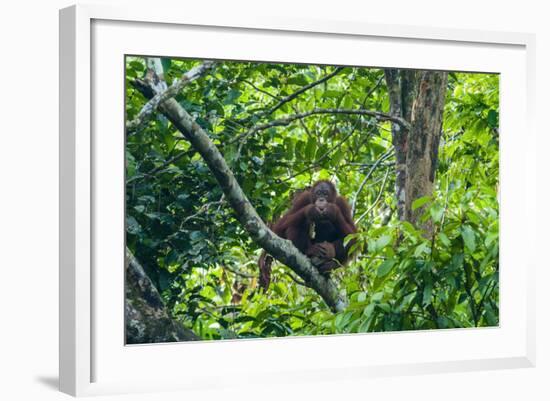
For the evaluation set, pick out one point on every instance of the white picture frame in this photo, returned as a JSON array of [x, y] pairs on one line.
[[93, 358]]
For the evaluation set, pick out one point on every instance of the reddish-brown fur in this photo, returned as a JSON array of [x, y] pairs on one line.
[[330, 214]]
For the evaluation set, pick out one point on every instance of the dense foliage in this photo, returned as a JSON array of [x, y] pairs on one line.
[[204, 263]]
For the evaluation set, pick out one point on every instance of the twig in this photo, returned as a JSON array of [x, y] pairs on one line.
[[238, 273], [377, 198], [371, 91], [317, 111], [261, 90], [201, 210], [162, 166], [320, 159], [384, 156], [302, 90], [296, 280]]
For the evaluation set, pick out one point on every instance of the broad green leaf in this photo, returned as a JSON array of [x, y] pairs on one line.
[[132, 226], [420, 202], [378, 296], [361, 297], [166, 63], [232, 96], [300, 80], [444, 239], [436, 212], [421, 249], [364, 326], [385, 267], [492, 118], [136, 65], [311, 147], [383, 241], [427, 294], [367, 312], [469, 238]]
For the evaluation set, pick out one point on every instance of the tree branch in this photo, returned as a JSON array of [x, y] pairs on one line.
[[281, 249], [161, 167], [147, 111], [377, 198], [261, 90], [321, 158], [303, 89], [146, 318], [290, 118], [372, 169], [239, 273]]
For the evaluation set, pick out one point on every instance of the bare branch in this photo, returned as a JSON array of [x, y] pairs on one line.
[[239, 273], [201, 210], [377, 198], [371, 91], [261, 90], [290, 118], [145, 114], [372, 169]]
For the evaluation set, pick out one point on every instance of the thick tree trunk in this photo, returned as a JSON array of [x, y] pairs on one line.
[[146, 318], [423, 144], [399, 136], [417, 97]]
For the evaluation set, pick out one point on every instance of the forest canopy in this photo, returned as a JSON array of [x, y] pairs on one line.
[[415, 153]]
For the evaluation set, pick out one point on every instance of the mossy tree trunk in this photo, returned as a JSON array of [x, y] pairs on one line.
[[418, 97], [146, 318]]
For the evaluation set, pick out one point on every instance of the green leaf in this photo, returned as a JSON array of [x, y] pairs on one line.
[[310, 148], [492, 118], [299, 79], [166, 63], [421, 249], [383, 241], [136, 65], [132, 226], [364, 326], [469, 238], [420, 202], [361, 297], [444, 239], [348, 102], [196, 235], [216, 105], [385, 267], [491, 237], [474, 218], [490, 316], [232, 95], [378, 296], [437, 213], [367, 312], [427, 294], [342, 320]]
